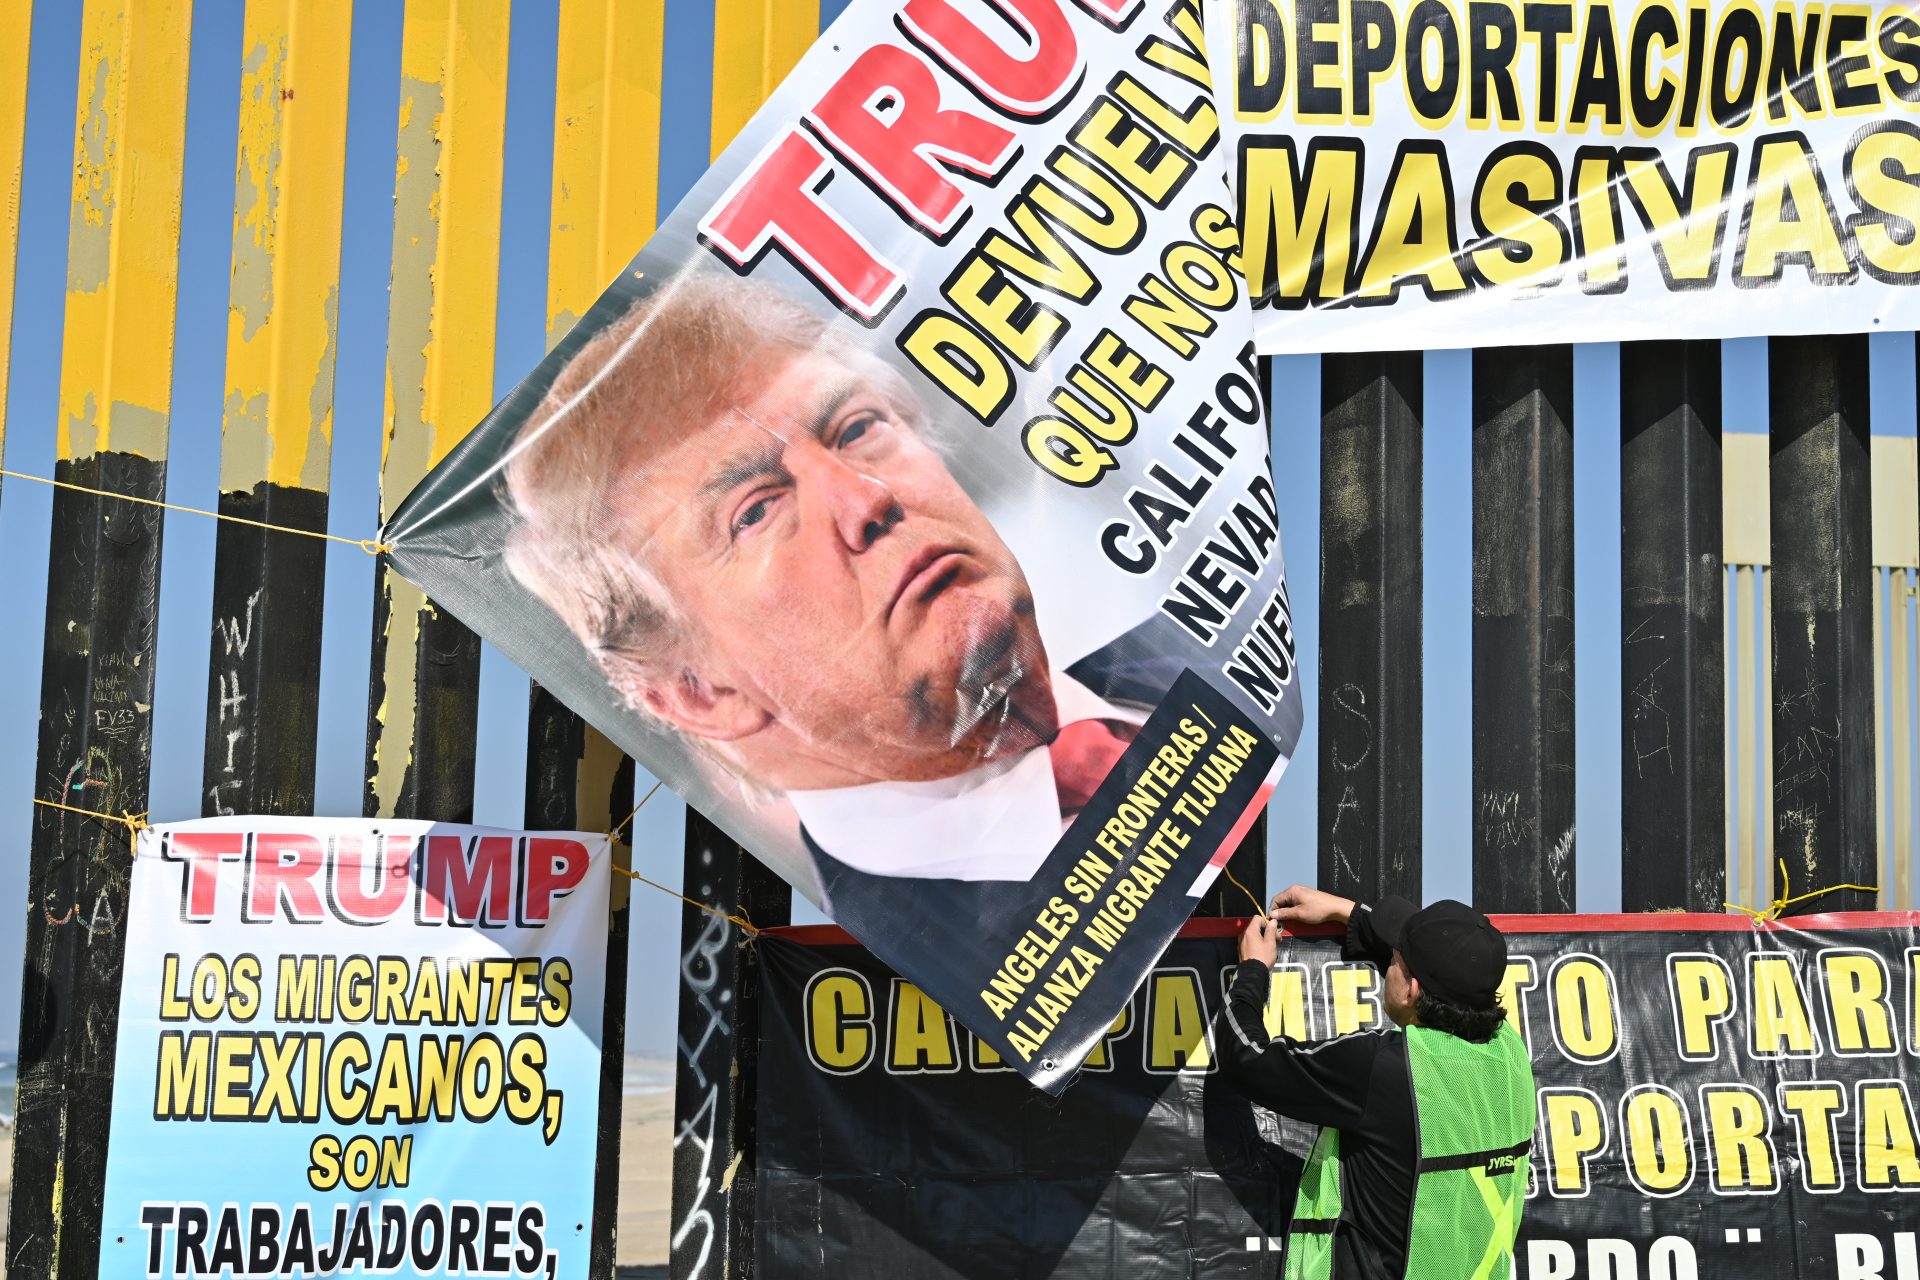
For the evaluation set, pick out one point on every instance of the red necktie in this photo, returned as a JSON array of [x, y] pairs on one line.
[[1083, 754]]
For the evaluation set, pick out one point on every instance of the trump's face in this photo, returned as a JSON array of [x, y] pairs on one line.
[[850, 614]]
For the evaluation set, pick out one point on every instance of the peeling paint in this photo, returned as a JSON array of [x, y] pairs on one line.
[[90, 221], [416, 244], [317, 464], [81, 432], [440, 352], [392, 749], [257, 187], [123, 251], [558, 325], [139, 430], [244, 443], [282, 306]]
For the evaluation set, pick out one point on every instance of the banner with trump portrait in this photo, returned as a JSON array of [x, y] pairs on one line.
[[906, 505]]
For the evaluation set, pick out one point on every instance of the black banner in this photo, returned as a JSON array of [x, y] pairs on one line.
[[1715, 1099]]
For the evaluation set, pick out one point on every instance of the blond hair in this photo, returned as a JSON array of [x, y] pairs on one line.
[[673, 362]]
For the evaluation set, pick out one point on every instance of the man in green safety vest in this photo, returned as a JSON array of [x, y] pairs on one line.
[[1420, 1168]]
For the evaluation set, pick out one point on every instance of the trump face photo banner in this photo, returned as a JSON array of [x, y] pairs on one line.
[[906, 506], [1716, 1101], [351, 1046], [1437, 173]]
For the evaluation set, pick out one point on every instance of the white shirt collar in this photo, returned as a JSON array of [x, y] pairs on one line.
[[996, 822]]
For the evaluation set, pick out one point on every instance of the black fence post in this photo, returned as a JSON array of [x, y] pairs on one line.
[[1370, 623], [95, 752], [95, 739], [1523, 853], [578, 781], [717, 1064], [1823, 703], [263, 678], [1673, 792]]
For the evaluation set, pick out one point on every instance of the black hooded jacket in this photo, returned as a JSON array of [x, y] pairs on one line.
[[1360, 1084]]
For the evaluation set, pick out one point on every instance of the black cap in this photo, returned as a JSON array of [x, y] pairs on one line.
[[1454, 950]]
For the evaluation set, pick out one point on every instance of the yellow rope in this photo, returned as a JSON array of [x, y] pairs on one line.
[[747, 926], [372, 546], [1781, 903], [622, 824], [740, 919], [1259, 908], [135, 823]]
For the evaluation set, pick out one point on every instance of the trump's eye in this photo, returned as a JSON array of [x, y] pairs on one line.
[[859, 427], [752, 514]]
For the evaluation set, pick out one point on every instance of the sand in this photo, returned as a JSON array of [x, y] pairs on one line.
[[646, 1178]]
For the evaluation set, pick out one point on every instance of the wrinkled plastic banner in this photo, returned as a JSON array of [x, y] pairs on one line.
[[906, 504], [1436, 173], [357, 1048], [1715, 1102]]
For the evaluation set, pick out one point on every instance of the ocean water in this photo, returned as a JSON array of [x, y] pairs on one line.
[[640, 1076]]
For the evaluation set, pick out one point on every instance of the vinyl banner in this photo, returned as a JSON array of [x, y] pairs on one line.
[[905, 505], [357, 1048], [1438, 173], [1715, 1102]]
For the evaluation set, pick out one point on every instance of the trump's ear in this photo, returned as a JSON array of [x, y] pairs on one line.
[[697, 706]]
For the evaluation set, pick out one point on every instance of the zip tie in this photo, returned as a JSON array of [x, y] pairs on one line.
[[1781, 903], [1259, 908], [135, 823], [372, 546]]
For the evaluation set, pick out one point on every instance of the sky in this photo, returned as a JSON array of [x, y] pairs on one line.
[[187, 567]]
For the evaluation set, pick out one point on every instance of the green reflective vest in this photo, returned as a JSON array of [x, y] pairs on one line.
[[1473, 1105]]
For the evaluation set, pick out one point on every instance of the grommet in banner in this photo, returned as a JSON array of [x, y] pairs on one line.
[[1048, 1064]]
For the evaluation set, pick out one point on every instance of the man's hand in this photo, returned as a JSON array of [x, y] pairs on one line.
[[1301, 905], [1260, 941]]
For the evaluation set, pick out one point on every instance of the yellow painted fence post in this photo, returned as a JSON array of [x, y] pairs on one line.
[[424, 704], [263, 682]]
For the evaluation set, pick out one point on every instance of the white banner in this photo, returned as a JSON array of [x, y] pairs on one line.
[[1439, 173], [357, 1047], [905, 505]]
